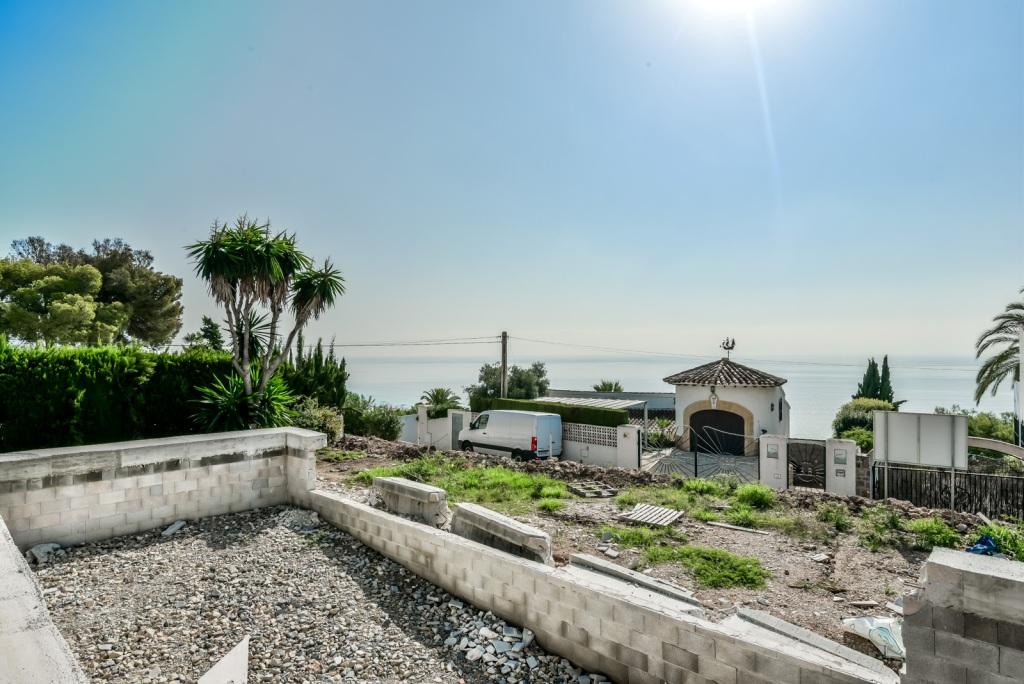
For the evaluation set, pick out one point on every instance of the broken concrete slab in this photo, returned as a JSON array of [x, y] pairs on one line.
[[658, 586], [415, 500], [501, 532]]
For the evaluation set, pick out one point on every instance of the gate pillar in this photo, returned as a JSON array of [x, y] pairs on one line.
[[774, 461], [841, 466]]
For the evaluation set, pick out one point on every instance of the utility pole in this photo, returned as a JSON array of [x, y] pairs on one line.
[[504, 364]]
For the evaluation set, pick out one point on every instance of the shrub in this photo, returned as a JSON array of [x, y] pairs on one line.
[[309, 414], [864, 438], [569, 413], [550, 505], [367, 418], [931, 532], [836, 514], [756, 496], [859, 413], [315, 375]]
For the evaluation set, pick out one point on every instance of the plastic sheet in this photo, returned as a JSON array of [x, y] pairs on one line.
[[885, 633]]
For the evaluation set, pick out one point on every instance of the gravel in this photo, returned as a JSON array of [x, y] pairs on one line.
[[318, 605]]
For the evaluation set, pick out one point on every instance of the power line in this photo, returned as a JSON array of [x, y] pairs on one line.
[[647, 352], [489, 339]]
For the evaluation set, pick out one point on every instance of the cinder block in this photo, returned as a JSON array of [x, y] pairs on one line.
[[734, 654], [141, 516], [12, 498], [938, 670], [919, 642], [976, 655], [129, 506], [708, 667], [980, 628], [125, 482], [695, 642], [98, 486], [1011, 663], [630, 657], [185, 486], [73, 517], [112, 497], [46, 520], [681, 657], [974, 677], [86, 501], [150, 480], [950, 620], [39, 495], [54, 505], [636, 676], [1010, 634], [679, 675], [70, 491]]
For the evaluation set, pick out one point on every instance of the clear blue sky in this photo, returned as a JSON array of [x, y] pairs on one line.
[[587, 171]]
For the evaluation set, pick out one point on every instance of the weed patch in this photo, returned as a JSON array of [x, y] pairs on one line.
[[641, 537], [675, 498], [880, 527], [704, 487], [836, 514], [931, 532], [707, 515], [712, 568], [756, 496], [550, 505]]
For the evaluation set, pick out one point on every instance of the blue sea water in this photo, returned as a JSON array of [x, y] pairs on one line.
[[815, 388]]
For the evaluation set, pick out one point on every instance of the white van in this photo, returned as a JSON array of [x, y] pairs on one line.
[[520, 434]]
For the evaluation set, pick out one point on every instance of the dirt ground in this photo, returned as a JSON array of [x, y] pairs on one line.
[[815, 594]]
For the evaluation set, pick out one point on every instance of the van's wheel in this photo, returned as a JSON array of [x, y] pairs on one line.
[[517, 455], [467, 446]]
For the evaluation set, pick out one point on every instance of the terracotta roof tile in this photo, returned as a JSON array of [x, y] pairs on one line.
[[725, 373]]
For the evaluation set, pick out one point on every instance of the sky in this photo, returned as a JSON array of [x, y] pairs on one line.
[[811, 178]]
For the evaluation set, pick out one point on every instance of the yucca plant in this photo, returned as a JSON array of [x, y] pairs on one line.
[[257, 276], [224, 405]]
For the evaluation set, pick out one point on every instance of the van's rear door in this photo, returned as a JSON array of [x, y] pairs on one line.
[[549, 436]]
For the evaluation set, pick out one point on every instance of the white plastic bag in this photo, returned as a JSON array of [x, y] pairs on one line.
[[885, 633]]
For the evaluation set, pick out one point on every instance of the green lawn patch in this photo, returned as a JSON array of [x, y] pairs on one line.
[[712, 568], [339, 455], [508, 490]]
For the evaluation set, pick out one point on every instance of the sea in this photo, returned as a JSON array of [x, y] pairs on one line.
[[815, 387]]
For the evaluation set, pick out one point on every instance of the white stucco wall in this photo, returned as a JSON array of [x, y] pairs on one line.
[[762, 402]]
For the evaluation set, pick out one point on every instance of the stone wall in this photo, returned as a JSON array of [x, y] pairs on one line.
[[966, 624], [87, 493], [31, 648], [598, 621], [864, 475]]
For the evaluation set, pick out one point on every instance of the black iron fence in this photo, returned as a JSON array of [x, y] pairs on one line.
[[992, 495]]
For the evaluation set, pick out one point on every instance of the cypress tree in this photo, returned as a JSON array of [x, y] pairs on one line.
[[885, 383], [871, 385]]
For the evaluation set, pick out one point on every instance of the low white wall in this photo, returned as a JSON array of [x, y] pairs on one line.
[[76, 494], [31, 648], [630, 634]]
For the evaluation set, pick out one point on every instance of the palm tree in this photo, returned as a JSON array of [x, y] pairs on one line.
[[1003, 339], [440, 399], [256, 275], [608, 386]]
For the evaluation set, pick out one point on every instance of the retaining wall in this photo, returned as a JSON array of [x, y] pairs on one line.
[[31, 648], [86, 493], [599, 622], [966, 624]]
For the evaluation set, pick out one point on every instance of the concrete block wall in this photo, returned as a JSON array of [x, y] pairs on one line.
[[31, 647], [87, 493], [598, 621], [966, 624]]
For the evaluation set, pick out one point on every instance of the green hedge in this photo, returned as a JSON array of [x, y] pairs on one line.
[[570, 413], [62, 396]]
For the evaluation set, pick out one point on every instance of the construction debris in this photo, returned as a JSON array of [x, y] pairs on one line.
[[591, 489], [654, 516], [737, 527]]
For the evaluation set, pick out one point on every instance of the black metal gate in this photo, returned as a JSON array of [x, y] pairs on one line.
[[806, 463]]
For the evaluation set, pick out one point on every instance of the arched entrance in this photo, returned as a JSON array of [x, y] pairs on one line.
[[717, 432]]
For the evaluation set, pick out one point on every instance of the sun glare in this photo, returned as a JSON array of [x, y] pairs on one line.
[[740, 7]]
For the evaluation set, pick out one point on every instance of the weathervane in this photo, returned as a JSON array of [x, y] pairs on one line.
[[728, 344]]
